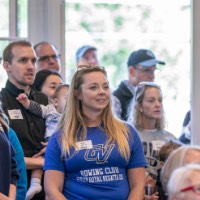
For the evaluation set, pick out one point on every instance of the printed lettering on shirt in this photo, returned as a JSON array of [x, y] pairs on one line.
[[98, 175], [151, 152], [99, 153]]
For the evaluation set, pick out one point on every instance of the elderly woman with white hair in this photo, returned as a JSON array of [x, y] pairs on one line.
[[182, 156], [184, 183]]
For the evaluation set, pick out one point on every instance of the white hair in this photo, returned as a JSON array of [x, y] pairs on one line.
[[175, 160], [179, 178]]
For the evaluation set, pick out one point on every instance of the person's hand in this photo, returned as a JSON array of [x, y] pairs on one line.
[[151, 193], [153, 196], [23, 99], [150, 181], [43, 150]]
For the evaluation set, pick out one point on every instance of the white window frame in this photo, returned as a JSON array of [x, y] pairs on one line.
[[195, 72], [46, 22]]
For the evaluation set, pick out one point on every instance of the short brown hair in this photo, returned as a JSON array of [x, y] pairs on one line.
[[7, 53], [167, 148], [58, 88]]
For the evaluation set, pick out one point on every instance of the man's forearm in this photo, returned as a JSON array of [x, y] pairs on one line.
[[34, 163]]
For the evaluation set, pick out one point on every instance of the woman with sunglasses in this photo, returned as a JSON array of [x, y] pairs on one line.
[[93, 155], [146, 114]]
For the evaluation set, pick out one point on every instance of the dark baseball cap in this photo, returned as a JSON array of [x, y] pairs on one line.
[[81, 51], [143, 57]]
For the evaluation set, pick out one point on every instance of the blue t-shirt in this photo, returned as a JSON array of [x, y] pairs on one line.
[[96, 173]]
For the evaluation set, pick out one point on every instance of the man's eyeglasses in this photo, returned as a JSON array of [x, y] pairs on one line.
[[145, 70], [194, 188], [47, 58]]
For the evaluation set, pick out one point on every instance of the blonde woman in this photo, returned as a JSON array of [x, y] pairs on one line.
[[147, 116], [8, 167], [93, 155]]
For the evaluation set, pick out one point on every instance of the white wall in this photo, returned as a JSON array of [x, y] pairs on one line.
[[46, 22]]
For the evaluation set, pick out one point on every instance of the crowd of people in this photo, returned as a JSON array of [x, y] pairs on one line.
[[82, 140]]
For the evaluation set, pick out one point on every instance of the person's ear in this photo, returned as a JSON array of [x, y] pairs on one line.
[[79, 97], [82, 61], [131, 71], [140, 108], [6, 66], [55, 102]]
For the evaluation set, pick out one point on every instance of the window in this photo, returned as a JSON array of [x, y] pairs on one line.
[[117, 28], [120, 27], [11, 28]]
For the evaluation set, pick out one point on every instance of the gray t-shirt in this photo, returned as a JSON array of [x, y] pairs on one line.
[[152, 141]]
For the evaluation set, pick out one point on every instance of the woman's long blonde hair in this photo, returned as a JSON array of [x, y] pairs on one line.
[[72, 120]]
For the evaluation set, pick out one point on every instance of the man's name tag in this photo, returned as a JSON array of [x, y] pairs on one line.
[[84, 145], [157, 145], [15, 114]]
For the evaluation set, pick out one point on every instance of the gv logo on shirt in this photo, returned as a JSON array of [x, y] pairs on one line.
[[99, 153]]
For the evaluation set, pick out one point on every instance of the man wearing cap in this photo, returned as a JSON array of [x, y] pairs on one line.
[[87, 55], [141, 67]]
